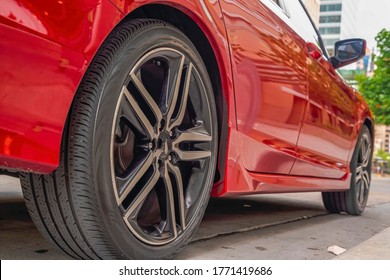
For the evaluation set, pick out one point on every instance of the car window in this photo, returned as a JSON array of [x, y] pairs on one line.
[[303, 24], [276, 6], [279, 3]]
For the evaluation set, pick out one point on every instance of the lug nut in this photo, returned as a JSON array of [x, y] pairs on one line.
[[199, 122]]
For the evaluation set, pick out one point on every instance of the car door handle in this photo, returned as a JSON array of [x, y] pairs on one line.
[[314, 51]]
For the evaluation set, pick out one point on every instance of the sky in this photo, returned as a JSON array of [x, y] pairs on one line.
[[370, 17]]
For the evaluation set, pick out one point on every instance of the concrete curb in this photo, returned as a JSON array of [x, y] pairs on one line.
[[375, 248]]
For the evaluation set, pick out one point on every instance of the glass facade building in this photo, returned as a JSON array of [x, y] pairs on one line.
[[330, 22]]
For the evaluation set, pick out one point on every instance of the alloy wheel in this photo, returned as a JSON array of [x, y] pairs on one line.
[[363, 177], [161, 146]]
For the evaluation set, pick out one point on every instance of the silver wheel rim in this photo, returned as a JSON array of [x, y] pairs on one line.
[[161, 146], [363, 177]]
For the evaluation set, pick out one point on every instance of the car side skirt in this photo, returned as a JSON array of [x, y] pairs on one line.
[[240, 181], [270, 183]]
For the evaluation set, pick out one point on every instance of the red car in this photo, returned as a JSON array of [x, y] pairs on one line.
[[121, 117]]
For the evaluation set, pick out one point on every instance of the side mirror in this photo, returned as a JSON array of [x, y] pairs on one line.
[[348, 51]]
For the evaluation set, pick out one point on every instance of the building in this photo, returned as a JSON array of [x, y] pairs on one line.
[[344, 19], [313, 7], [382, 138], [364, 19], [330, 22], [350, 18]]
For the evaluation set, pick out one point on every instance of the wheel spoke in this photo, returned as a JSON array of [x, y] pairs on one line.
[[367, 155], [192, 155], [127, 113], [128, 183], [360, 192], [146, 96], [176, 69], [170, 205], [180, 193], [195, 134], [359, 171], [183, 103], [140, 114], [366, 179], [363, 182], [135, 205]]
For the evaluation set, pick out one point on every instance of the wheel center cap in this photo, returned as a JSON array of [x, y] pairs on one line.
[[165, 145]]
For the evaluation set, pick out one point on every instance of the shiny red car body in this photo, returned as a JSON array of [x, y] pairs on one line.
[[287, 121]]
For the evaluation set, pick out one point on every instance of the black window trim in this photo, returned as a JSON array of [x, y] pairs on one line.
[[322, 46], [282, 6]]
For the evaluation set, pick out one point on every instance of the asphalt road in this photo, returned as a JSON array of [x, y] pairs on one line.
[[287, 226]]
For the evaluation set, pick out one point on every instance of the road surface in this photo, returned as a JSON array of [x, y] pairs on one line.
[[283, 226]]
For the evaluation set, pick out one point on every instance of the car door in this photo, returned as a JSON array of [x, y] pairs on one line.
[[269, 71], [328, 129]]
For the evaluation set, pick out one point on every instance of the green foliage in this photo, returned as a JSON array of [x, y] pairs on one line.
[[376, 89], [383, 155]]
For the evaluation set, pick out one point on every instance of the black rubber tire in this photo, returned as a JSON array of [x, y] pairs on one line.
[[75, 206], [347, 201]]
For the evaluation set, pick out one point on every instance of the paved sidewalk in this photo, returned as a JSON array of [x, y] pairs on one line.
[[375, 248]]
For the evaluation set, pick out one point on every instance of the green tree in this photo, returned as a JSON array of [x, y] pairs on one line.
[[383, 155], [376, 89]]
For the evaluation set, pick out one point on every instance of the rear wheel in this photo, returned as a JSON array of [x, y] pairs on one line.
[[355, 199], [140, 151]]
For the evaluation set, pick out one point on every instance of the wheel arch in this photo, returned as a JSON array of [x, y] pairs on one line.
[[216, 70], [370, 125]]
